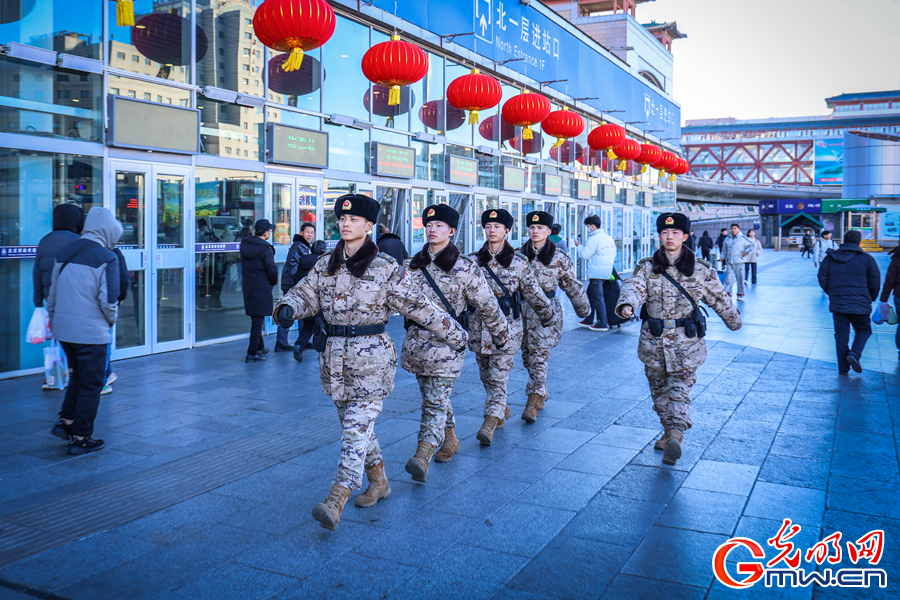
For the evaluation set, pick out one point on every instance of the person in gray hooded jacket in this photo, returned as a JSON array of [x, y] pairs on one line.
[[83, 306]]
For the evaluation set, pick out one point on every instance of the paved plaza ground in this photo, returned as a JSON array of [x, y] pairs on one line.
[[212, 467]]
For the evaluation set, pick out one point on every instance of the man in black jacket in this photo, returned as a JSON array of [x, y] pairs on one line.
[[291, 274], [852, 281], [705, 243], [392, 245], [720, 241], [259, 276]]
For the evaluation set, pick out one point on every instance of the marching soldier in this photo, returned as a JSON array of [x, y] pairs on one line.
[[553, 268], [670, 285], [357, 289], [510, 277], [451, 281]]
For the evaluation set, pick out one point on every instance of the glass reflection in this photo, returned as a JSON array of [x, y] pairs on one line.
[[159, 44], [59, 25], [231, 130], [130, 331], [344, 93]]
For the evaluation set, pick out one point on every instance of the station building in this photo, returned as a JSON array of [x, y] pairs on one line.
[[187, 130]]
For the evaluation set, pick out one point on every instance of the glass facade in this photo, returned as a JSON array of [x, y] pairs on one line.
[[191, 212]]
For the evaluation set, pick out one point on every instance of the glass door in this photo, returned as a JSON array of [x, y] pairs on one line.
[[419, 202], [514, 206], [150, 205]]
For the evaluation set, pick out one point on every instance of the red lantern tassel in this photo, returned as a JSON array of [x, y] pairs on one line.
[[124, 13], [293, 61], [473, 117], [611, 155], [394, 95], [527, 134], [559, 142]]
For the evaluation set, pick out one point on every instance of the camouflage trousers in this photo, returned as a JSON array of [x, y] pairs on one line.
[[436, 412], [494, 370], [671, 394], [359, 445], [536, 363]]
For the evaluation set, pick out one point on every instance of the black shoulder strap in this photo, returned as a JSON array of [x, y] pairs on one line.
[[680, 289], [71, 258], [497, 279], [438, 291]]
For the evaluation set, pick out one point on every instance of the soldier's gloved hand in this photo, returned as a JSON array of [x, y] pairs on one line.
[[548, 322], [286, 316]]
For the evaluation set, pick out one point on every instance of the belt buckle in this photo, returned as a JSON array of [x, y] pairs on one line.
[[351, 330], [669, 323]]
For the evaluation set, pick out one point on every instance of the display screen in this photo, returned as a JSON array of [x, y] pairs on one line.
[[552, 185], [461, 171], [512, 178], [581, 189], [608, 194], [295, 146], [174, 129], [629, 196], [393, 161]]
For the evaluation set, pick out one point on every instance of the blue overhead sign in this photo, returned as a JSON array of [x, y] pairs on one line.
[[507, 29]]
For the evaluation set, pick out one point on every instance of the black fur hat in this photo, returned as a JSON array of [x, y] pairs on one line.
[[440, 212], [673, 221], [538, 217], [360, 206], [497, 215]]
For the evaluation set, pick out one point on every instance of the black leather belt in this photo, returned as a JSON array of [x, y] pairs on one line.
[[353, 330], [550, 295], [671, 323]]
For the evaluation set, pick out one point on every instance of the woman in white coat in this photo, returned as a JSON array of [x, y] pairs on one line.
[[750, 265]]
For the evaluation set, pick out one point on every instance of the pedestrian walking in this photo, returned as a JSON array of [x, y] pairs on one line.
[[290, 275], [822, 246], [392, 245], [706, 245], [892, 284], [852, 281], [511, 278], [691, 242], [109, 377], [600, 253], [68, 221], [752, 258], [735, 250], [720, 241], [83, 306], [669, 286], [259, 275], [357, 288], [451, 281], [553, 269], [558, 239], [806, 244]]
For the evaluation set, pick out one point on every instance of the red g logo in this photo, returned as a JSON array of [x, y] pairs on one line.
[[754, 570]]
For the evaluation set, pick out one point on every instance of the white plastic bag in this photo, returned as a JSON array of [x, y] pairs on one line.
[[38, 330], [56, 366]]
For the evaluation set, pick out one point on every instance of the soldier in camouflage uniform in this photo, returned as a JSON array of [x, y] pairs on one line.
[[497, 256], [553, 268], [672, 357], [434, 363], [357, 289]]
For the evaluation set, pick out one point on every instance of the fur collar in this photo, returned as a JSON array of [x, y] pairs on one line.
[[504, 257], [445, 259], [545, 255], [684, 264], [356, 264]]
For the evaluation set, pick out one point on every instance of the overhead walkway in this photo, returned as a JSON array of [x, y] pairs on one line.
[[692, 189]]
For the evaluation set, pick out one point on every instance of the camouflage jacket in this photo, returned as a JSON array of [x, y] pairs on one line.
[[553, 269], [516, 273], [364, 290], [462, 283], [673, 351]]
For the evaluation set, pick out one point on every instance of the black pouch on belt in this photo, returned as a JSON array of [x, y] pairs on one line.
[[320, 335]]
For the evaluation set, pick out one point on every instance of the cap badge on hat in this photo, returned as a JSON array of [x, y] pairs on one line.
[[493, 214], [535, 218], [430, 213], [347, 205], [670, 221]]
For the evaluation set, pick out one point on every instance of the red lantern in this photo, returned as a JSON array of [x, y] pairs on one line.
[[526, 110], [161, 37], [649, 155], [491, 131], [305, 80], [294, 26], [681, 168], [564, 153], [531, 146], [606, 137], [432, 115], [382, 108], [562, 125], [124, 12], [627, 150], [395, 63], [666, 162], [473, 92]]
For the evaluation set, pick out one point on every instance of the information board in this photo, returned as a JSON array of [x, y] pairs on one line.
[[393, 161], [581, 189], [461, 171], [512, 178], [296, 146], [552, 184], [174, 128], [629, 196], [608, 194]]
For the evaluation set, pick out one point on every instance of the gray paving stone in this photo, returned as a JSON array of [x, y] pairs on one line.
[[615, 520], [867, 497], [791, 470], [504, 528], [558, 439], [775, 501], [597, 459], [567, 490], [701, 510], [645, 483], [722, 477], [522, 464], [626, 437], [675, 555], [631, 587], [570, 568]]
